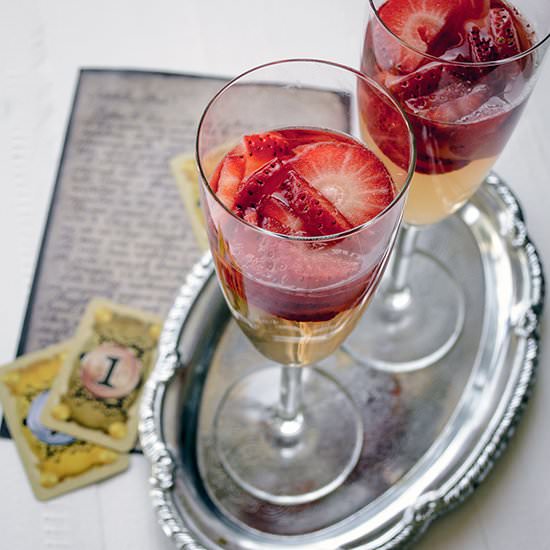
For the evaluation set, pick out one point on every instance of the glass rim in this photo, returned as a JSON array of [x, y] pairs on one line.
[[477, 64], [317, 238]]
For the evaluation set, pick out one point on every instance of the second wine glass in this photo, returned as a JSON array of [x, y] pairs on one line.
[[462, 71]]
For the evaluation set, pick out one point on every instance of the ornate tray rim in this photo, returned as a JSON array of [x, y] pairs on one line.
[[430, 505]]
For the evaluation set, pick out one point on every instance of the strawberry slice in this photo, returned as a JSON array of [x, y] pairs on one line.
[[417, 23], [259, 149], [229, 179], [424, 81], [302, 136], [349, 177], [504, 33], [214, 180], [259, 184], [429, 78], [482, 47], [318, 215], [472, 9], [464, 14], [428, 26], [384, 125], [277, 217]]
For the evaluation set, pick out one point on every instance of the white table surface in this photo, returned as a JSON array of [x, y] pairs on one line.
[[42, 45]]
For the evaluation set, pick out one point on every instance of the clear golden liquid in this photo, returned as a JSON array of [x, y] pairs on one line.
[[296, 343], [433, 197]]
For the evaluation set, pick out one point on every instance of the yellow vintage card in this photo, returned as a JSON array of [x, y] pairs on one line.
[[184, 169], [96, 395], [55, 462]]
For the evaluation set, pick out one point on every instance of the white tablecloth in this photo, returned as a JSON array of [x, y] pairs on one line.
[[42, 45]]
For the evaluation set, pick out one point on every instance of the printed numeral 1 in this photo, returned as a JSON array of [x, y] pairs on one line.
[[106, 380]]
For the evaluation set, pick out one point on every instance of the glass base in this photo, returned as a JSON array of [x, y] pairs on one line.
[[413, 328], [288, 461]]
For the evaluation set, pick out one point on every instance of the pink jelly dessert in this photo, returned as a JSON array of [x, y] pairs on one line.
[[299, 182], [459, 112]]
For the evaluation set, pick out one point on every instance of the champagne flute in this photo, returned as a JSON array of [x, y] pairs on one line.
[[288, 432], [462, 71]]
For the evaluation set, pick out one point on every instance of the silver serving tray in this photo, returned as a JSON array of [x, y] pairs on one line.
[[431, 436]]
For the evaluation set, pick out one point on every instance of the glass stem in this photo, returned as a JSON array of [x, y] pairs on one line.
[[290, 402], [289, 421], [397, 294]]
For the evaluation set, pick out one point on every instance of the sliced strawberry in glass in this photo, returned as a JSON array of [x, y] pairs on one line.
[[276, 216], [304, 136], [504, 33], [482, 46], [472, 9], [417, 23], [229, 179], [353, 180], [464, 15], [427, 26], [424, 81], [259, 184], [383, 125], [259, 149], [214, 180], [318, 215]]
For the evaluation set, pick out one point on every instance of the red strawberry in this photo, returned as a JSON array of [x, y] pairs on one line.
[[259, 184], [277, 217], [424, 81], [417, 23], [319, 216], [429, 26], [350, 177], [504, 32], [229, 179], [482, 47], [471, 9], [261, 148], [303, 136], [384, 125], [214, 180]]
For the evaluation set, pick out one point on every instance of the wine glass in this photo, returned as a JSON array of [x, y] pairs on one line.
[[463, 97], [288, 432]]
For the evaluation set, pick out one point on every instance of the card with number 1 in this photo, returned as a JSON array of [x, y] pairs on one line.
[[55, 462], [96, 395]]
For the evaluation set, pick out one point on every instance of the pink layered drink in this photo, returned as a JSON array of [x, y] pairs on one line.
[[450, 76], [290, 185]]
